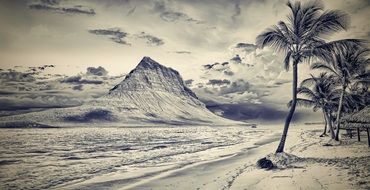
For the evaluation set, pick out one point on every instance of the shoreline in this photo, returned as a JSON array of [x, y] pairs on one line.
[[131, 177], [337, 166]]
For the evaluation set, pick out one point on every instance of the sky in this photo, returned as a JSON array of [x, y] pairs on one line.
[[46, 42]]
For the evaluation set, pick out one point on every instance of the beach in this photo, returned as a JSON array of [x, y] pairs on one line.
[[310, 162]]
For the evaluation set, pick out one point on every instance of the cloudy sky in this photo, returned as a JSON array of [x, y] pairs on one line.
[[112, 36]]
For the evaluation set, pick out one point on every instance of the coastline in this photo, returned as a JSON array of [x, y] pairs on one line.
[[336, 166]]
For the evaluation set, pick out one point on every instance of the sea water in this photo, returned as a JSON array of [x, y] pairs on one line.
[[46, 158]]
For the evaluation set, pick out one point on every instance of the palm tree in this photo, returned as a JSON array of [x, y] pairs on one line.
[[349, 65], [308, 24], [319, 93], [356, 99]]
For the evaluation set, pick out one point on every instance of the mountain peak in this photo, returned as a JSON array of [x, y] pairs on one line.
[[148, 62], [149, 75]]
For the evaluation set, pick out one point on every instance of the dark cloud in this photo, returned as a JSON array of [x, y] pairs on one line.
[[98, 71], [80, 80], [246, 47], [236, 86], [189, 82], [236, 59], [218, 67], [54, 6], [36, 101], [210, 66], [78, 87], [246, 111], [5, 92], [218, 82], [41, 68], [115, 34], [150, 39], [183, 52], [15, 76], [257, 112], [169, 15], [229, 73]]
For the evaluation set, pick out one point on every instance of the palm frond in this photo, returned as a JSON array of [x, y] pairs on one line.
[[308, 82], [306, 92], [287, 60], [324, 67], [327, 51], [286, 31], [274, 38], [331, 21], [303, 103]]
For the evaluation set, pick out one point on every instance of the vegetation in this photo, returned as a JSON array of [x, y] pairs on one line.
[[348, 66], [319, 93], [302, 39]]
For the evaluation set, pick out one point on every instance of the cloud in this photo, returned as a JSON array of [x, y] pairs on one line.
[[34, 101], [115, 34], [237, 12], [218, 82], [79, 80], [245, 77], [98, 71], [225, 91], [189, 82], [245, 47], [229, 73], [246, 111], [78, 87], [15, 76], [150, 39], [54, 6], [236, 86], [182, 52], [119, 36], [169, 15], [236, 59], [216, 66], [30, 89], [40, 68]]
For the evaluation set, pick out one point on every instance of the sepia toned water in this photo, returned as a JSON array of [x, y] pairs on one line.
[[46, 158]]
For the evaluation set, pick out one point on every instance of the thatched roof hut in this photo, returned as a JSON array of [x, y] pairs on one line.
[[358, 119]]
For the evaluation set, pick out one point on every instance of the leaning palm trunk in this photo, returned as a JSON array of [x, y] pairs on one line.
[[339, 112], [330, 122], [292, 108], [326, 123]]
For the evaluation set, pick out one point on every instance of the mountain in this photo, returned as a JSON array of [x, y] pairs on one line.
[[150, 94]]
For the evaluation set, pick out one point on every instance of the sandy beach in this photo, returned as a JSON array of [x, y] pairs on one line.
[[310, 162]]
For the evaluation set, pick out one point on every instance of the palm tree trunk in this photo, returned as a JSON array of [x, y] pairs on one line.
[[339, 112], [292, 108], [326, 123], [330, 122]]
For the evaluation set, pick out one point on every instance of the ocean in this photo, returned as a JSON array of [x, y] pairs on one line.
[[48, 158]]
